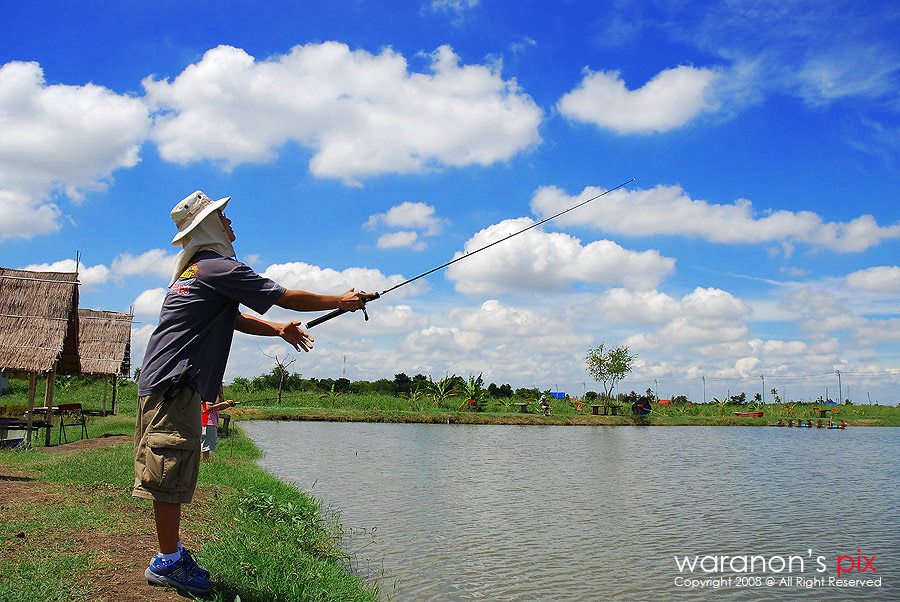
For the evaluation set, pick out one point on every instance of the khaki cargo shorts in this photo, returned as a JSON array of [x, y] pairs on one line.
[[167, 447]]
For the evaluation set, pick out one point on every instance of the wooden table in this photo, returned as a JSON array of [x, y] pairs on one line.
[[523, 408], [595, 409], [20, 424], [823, 412]]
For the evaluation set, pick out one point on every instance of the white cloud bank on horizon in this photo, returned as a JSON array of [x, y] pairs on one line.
[[540, 261], [59, 138], [668, 210], [361, 114], [155, 262], [672, 99]]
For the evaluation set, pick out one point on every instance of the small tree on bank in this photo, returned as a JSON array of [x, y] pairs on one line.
[[608, 366]]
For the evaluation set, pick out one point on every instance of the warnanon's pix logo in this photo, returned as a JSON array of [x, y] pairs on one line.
[[756, 570]]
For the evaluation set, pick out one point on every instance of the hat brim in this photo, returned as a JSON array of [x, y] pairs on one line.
[[220, 204]]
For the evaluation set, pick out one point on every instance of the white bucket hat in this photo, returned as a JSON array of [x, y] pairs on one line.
[[192, 210]]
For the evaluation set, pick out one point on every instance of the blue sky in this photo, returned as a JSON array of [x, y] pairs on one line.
[[363, 143]]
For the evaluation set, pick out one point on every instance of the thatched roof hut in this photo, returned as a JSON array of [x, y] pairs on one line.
[[38, 322], [104, 342]]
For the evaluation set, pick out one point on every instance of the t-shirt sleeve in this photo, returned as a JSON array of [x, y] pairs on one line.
[[240, 283]]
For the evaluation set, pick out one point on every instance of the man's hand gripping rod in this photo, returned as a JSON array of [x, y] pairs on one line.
[[338, 312]]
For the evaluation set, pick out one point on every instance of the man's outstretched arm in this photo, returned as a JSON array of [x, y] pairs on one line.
[[304, 301], [289, 331]]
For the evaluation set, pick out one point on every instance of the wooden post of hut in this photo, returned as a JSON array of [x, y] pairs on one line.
[[32, 382], [48, 400]]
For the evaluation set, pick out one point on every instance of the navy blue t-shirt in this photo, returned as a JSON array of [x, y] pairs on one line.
[[196, 323]]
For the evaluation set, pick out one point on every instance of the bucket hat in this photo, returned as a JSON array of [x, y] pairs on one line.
[[191, 210]]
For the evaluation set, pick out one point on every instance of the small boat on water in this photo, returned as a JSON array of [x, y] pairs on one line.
[[749, 414]]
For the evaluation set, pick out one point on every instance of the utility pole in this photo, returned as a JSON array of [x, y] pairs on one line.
[[656, 384], [838, 372], [763, 388], [344, 371], [703, 378]]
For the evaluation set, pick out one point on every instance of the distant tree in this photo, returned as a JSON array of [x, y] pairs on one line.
[[383, 386], [590, 396], [608, 366], [679, 399], [241, 384], [525, 393], [137, 374], [739, 399], [402, 383]]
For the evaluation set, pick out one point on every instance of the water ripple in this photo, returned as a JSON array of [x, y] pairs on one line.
[[506, 513]]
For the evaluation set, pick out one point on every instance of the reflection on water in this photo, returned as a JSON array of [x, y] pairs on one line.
[[512, 513]]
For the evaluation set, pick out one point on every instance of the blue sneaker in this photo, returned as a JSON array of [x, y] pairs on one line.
[[189, 559], [180, 574]]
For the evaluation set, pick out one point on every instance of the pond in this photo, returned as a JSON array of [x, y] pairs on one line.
[[518, 513]]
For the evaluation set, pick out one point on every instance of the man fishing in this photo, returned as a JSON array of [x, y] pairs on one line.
[[185, 362]]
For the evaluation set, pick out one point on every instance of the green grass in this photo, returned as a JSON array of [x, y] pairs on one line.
[[320, 405], [262, 539], [47, 576]]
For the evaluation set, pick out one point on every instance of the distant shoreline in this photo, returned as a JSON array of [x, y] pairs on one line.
[[515, 419]]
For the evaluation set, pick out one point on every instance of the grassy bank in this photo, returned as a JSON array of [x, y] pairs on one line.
[[313, 405], [70, 530]]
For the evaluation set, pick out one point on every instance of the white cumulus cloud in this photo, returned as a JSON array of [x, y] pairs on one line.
[[668, 101], [418, 216], [303, 276], [59, 138], [400, 239], [418, 219], [879, 279], [155, 261], [538, 260], [362, 114], [87, 276], [149, 302]]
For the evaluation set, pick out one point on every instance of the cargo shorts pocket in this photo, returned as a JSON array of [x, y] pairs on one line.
[[169, 462]]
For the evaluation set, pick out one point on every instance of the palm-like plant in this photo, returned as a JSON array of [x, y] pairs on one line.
[[332, 395], [472, 390], [722, 404], [441, 390], [415, 397]]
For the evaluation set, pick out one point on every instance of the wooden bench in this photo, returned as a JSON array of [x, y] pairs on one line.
[[20, 424], [595, 409]]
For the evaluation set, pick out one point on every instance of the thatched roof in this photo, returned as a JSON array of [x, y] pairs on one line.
[[38, 321], [104, 342]]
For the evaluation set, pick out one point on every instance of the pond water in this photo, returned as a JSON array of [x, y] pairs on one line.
[[531, 513]]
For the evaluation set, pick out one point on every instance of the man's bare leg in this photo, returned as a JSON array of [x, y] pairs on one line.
[[168, 524]]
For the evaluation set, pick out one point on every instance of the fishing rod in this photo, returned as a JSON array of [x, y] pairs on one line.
[[337, 312]]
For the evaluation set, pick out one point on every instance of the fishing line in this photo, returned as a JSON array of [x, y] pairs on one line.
[[679, 140], [338, 312]]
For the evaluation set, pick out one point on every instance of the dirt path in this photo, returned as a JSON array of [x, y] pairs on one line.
[[124, 557]]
